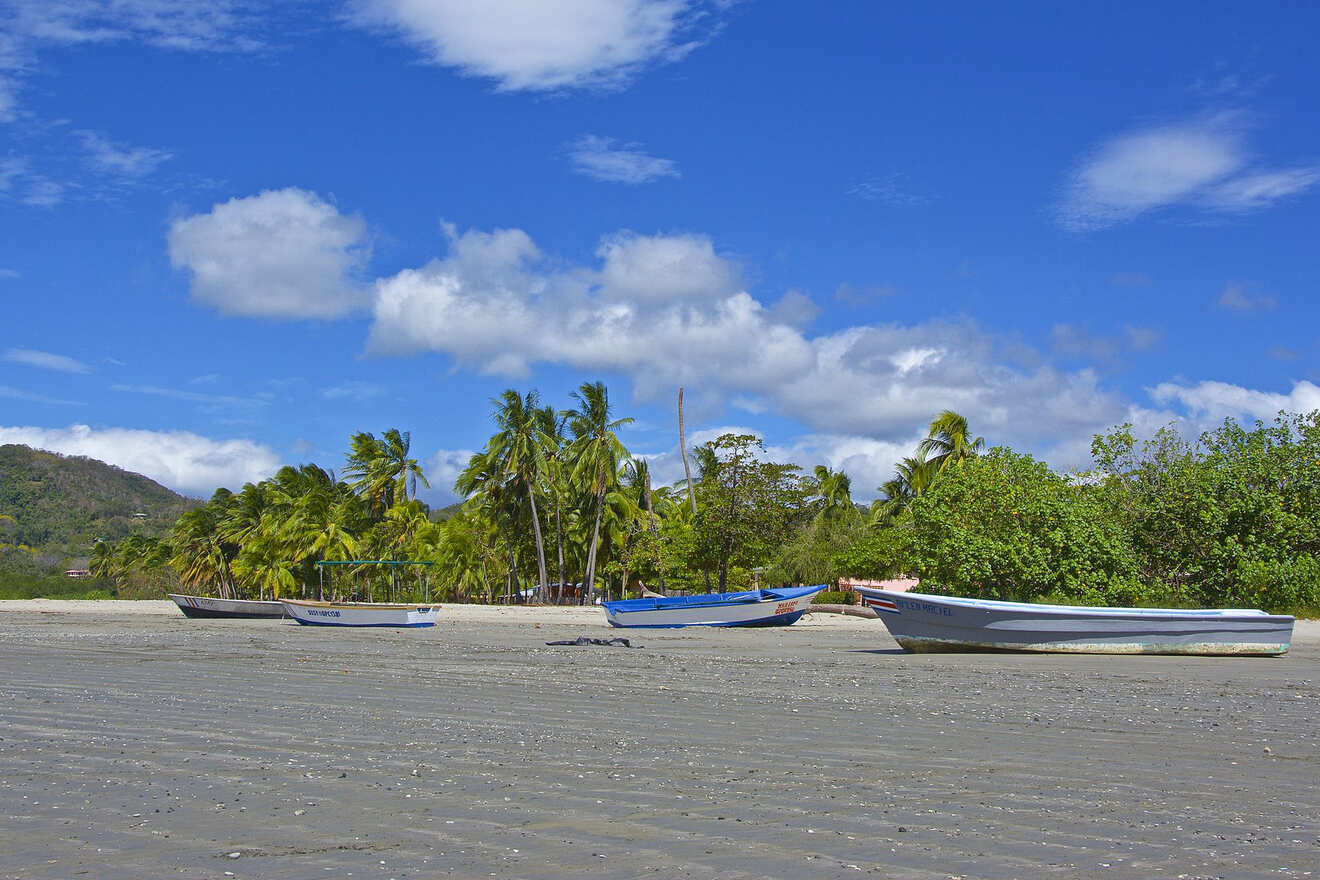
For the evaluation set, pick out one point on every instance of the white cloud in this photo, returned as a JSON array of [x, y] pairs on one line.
[[543, 45], [1253, 191], [1070, 340], [112, 158], [664, 268], [796, 309], [441, 470], [867, 462], [31, 188], [492, 306], [12, 393], [1201, 163], [27, 27], [280, 254], [1215, 401], [8, 98], [190, 396], [1234, 297], [888, 190], [181, 460], [608, 160], [45, 360], [352, 389], [1141, 170], [174, 24]]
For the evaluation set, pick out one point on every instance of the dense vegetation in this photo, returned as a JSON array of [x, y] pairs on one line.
[[54, 508], [557, 510]]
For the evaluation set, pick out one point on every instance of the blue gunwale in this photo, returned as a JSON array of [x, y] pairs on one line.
[[705, 600]]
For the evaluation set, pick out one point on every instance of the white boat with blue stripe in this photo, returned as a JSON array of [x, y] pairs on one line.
[[770, 607], [360, 613], [923, 623]]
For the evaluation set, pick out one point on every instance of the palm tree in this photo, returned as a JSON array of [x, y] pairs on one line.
[[911, 478], [949, 441], [381, 470], [520, 447], [595, 453], [361, 466], [835, 490], [404, 473], [552, 425], [482, 483], [199, 555], [637, 475], [263, 562], [323, 524], [104, 563]]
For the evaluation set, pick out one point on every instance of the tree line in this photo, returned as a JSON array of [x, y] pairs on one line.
[[556, 509]]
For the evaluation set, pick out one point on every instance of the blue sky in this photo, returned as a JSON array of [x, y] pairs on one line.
[[234, 233]]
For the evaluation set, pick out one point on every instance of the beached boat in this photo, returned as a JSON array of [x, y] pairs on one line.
[[924, 623], [777, 607], [360, 613], [243, 609]]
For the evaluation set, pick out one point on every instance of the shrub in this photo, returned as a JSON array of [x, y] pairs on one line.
[[835, 597], [1004, 526]]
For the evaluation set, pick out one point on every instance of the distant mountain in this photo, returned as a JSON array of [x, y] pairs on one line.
[[54, 507]]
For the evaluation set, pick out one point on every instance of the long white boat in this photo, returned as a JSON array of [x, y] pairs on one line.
[[360, 613], [925, 623], [772, 607], [244, 609]]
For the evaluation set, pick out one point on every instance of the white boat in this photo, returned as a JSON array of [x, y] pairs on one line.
[[360, 613], [245, 609], [925, 623], [777, 607]]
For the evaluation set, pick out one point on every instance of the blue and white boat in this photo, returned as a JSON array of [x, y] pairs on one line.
[[360, 613], [777, 607], [924, 623]]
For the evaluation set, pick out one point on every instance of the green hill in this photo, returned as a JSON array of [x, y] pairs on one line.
[[54, 507]]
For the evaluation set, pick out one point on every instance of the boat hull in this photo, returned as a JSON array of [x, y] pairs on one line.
[[361, 614], [923, 624], [227, 609], [753, 608]]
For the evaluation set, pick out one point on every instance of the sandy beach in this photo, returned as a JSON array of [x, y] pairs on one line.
[[135, 743]]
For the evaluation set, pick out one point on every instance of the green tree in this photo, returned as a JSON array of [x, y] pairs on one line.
[[1004, 526], [1226, 520], [596, 454], [948, 442], [747, 505], [520, 449]]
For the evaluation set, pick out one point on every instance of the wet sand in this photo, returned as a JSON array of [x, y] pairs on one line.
[[135, 743]]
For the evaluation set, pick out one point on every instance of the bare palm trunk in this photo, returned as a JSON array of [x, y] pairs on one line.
[[655, 532], [682, 448], [591, 556], [687, 471], [543, 587], [559, 538]]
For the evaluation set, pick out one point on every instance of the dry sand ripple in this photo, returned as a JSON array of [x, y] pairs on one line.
[[136, 744]]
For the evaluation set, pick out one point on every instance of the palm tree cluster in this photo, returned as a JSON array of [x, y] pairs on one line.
[[569, 465], [267, 539], [554, 509], [948, 442], [557, 509]]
